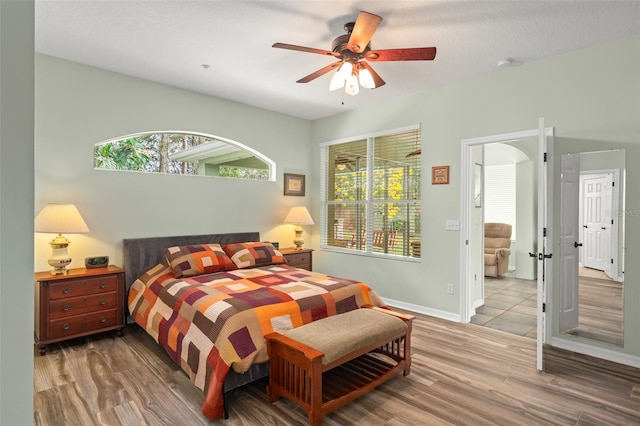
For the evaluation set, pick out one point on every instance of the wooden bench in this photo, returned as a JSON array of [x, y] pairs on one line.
[[326, 364]]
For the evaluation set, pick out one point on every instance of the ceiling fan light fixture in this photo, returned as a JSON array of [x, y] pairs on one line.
[[351, 86], [366, 79], [337, 81], [345, 70]]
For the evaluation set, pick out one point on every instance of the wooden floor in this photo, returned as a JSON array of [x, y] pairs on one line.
[[463, 374]]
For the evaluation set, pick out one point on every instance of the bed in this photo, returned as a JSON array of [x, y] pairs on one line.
[[209, 300]]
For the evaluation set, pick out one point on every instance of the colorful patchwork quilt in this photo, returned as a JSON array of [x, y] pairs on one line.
[[211, 323]]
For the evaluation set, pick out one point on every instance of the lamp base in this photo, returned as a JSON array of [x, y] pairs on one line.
[[59, 259], [298, 241]]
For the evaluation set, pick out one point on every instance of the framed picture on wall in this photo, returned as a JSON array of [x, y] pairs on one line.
[[440, 175], [294, 184]]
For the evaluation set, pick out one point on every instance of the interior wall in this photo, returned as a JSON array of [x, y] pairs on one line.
[[16, 208], [526, 218], [476, 229], [78, 106], [566, 90]]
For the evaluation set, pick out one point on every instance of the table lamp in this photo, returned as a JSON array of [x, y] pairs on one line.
[[299, 216], [57, 219]]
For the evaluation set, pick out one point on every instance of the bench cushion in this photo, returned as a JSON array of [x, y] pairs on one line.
[[341, 334]]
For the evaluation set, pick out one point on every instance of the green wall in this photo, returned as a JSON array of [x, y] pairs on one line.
[[592, 99], [78, 106], [16, 209]]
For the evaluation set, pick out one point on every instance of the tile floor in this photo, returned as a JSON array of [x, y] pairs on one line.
[[509, 305]]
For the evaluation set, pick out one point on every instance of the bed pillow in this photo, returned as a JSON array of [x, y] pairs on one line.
[[197, 259], [247, 255]]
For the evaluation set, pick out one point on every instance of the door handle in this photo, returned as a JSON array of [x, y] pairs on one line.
[[577, 244], [604, 227], [532, 254], [584, 226]]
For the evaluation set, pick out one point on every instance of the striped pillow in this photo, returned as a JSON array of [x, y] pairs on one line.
[[247, 255], [197, 259]]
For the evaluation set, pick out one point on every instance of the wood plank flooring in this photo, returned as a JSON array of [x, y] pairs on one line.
[[462, 374]]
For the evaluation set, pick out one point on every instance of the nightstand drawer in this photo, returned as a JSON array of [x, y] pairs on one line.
[[82, 286], [82, 323], [81, 304], [297, 259]]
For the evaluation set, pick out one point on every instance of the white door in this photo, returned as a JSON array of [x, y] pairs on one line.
[[596, 221], [569, 242], [545, 186]]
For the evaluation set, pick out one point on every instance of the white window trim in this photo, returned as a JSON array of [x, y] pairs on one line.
[[368, 252]]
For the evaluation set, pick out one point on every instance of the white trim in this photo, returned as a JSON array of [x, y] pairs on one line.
[[370, 135], [596, 351], [449, 316], [465, 164]]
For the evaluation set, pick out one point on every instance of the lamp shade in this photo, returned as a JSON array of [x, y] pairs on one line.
[[60, 219], [299, 215]]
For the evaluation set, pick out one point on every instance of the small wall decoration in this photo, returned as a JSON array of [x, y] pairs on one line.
[[440, 175], [294, 184]]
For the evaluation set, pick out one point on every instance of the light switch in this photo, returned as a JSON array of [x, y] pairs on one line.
[[452, 225]]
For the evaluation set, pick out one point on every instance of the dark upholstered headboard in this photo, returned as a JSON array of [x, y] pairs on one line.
[[141, 254]]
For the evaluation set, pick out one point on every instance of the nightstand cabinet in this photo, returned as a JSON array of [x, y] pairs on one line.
[[298, 258], [80, 303]]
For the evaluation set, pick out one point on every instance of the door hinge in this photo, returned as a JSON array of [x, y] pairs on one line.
[[612, 221], [545, 157], [612, 261], [544, 307], [613, 183], [544, 232]]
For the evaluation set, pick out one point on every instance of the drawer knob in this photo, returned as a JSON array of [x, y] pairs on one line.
[[66, 290], [103, 284], [66, 308], [66, 326], [103, 302], [103, 319]]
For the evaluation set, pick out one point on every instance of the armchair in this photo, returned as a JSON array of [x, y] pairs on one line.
[[497, 243]]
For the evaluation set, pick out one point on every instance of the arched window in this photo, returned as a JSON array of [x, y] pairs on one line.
[[183, 153]]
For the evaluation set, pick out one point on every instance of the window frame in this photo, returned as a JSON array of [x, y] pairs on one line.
[[369, 201]]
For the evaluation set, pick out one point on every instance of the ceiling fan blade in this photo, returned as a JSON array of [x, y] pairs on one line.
[[304, 49], [320, 72], [366, 24], [376, 78], [407, 54]]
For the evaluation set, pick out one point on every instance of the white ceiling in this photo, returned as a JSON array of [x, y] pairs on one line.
[[168, 41]]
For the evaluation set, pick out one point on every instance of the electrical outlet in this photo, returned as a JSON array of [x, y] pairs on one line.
[[449, 288]]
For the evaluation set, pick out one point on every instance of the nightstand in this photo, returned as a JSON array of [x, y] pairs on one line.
[[80, 303], [298, 258]]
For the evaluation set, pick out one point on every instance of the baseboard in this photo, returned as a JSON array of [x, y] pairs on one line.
[[596, 351], [423, 310]]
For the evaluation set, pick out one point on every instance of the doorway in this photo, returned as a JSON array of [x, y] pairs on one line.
[[471, 231], [591, 288], [509, 300]]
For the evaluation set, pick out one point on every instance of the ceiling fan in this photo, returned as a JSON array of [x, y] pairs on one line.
[[353, 51]]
